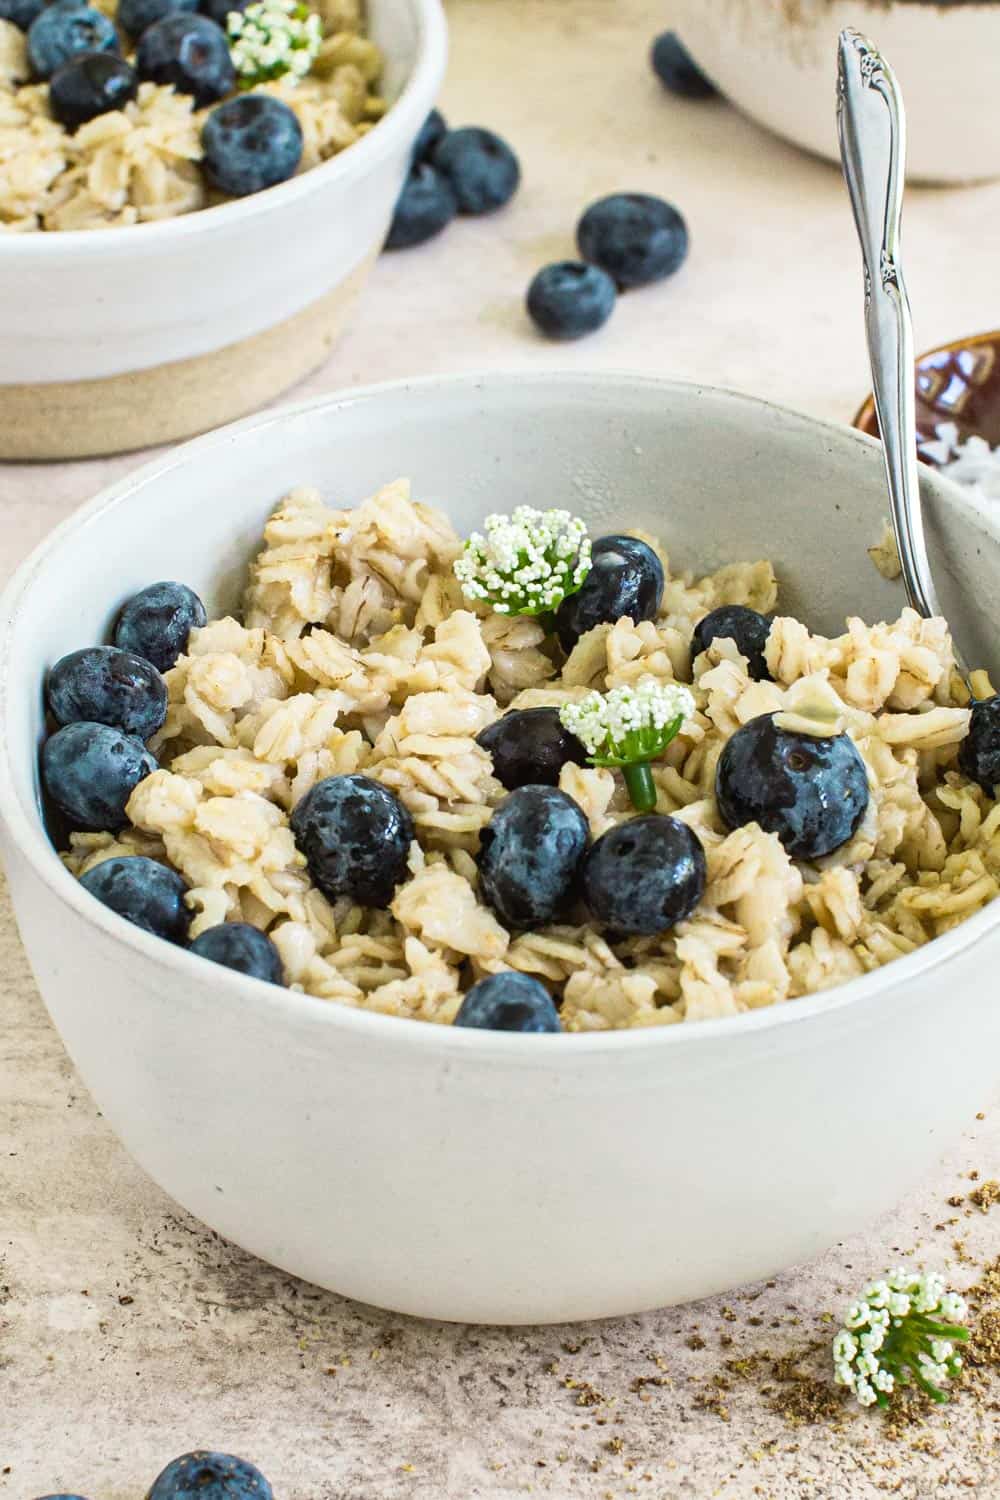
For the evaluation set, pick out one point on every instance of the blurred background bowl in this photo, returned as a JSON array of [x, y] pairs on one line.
[[958, 384]]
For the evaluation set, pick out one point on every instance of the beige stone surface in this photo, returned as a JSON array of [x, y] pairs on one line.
[[129, 1334]]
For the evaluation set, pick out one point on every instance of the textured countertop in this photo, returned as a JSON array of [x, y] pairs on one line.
[[129, 1334]]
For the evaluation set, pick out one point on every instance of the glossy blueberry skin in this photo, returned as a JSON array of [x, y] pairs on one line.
[[424, 207], [210, 1476], [91, 85], [979, 756], [251, 143], [20, 13], [219, 10], [625, 578], [135, 15], [530, 747], [239, 946], [65, 29], [106, 686], [569, 299], [645, 875], [529, 856], [144, 892], [636, 238], [746, 627], [509, 1002], [190, 52], [811, 792], [356, 836], [434, 129], [90, 771], [156, 623], [676, 68], [481, 168]]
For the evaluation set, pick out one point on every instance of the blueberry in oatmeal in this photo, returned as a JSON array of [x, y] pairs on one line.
[[570, 299], [625, 581], [108, 686], [20, 13], [509, 1002], [529, 856], [736, 622], [135, 15], [157, 622], [644, 876], [530, 746], [635, 237], [434, 129], [356, 836], [144, 892], [91, 85], [979, 757], [191, 53], [811, 790], [676, 68], [239, 946], [251, 143], [424, 207], [64, 29], [210, 1476], [481, 168], [91, 770]]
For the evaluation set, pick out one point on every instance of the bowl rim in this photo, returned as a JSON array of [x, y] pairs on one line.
[[30, 839], [403, 118], [864, 416]]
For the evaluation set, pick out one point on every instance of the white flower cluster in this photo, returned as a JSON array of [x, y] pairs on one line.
[[527, 563], [273, 37], [889, 1334], [628, 723]]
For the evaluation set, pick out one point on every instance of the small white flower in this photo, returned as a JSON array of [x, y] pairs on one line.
[[525, 563], [940, 1350], [627, 724], [865, 1393], [953, 1308], [857, 1315], [885, 1382], [272, 38], [845, 1346]]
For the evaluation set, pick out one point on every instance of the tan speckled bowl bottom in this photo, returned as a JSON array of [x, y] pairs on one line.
[[87, 418]]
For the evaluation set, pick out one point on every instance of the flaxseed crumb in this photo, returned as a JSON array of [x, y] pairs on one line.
[[985, 1196], [695, 1341]]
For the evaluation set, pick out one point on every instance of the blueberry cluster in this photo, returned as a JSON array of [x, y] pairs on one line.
[[204, 1476], [469, 171]]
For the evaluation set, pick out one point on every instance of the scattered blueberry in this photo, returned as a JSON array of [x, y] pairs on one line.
[[424, 207], [251, 143], [135, 15], [645, 875], [746, 627], [434, 128], [811, 791], [104, 685], [530, 747], [91, 85], [144, 892], [676, 68], [569, 299], [156, 623], [625, 578], [220, 10], [356, 836], [190, 52], [509, 1002], [63, 30], [979, 756], [20, 12], [634, 237], [210, 1476], [529, 855], [90, 772], [239, 946], [482, 169]]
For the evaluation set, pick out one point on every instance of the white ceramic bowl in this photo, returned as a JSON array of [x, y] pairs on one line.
[[88, 318], [490, 1177], [777, 60]]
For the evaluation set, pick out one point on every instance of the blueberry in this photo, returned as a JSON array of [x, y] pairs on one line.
[[135, 15], [156, 623], [530, 747], [356, 836], [744, 626], [239, 946], [812, 792], [190, 52], [509, 1002], [434, 129], [424, 207], [20, 13], [569, 299], [91, 770], [210, 1476], [106, 686], [625, 578], [65, 29], [676, 68], [482, 169], [144, 892], [529, 855], [91, 85], [634, 237], [251, 143], [219, 11], [979, 756], [645, 875]]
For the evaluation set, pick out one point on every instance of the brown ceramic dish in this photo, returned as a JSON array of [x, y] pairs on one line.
[[959, 383]]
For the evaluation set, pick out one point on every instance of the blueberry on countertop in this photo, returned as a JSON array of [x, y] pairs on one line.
[[529, 856], [105, 685], [191, 53], [481, 168], [356, 836], [251, 143], [979, 755], [20, 13], [509, 1002], [144, 892], [64, 29], [210, 1476], [625, 578], [644, 875], [529, 746], [636, 238], [424, 207], [434, 129], [239, 946], [569, 299], [811, 791], [90, 85], [135, 15], [91, 770], [676, 68], [746, 627], [220, 10], [156, 622]]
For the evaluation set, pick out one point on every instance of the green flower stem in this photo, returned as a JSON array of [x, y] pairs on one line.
[[641, 787]]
